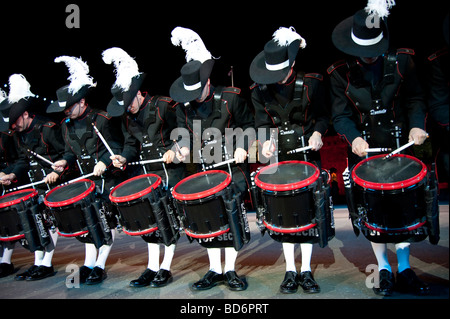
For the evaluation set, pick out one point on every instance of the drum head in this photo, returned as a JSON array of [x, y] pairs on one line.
[[16, 197], [65, 195], [286, 176], [201, 185], [135, 188], [396, 172]]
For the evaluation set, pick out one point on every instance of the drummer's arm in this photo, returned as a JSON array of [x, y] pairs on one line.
[[359, 146]]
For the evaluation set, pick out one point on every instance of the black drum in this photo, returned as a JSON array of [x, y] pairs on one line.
[[286, 190], [11, 205], [132, 200], [200, 198], [67, 202], [389, 194]]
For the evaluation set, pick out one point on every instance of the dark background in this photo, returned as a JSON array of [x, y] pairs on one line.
[[34, 33]]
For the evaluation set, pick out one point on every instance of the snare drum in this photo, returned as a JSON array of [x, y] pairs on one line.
[[11, 204], [66, 203], [389, 194], [200, 200], [132, 199], [286, 190]]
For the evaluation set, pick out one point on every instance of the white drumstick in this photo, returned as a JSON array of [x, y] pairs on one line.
[[298, 150], [398, 150], [78, 179], [41, 157], [160, 160], [103, 140], [230, 161], [24, 186], [378, 150]]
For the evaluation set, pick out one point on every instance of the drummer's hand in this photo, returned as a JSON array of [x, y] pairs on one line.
[[59, 166], [169, 156], [359, 146], [7, 179], [51, 178], [315, 141], [183, 154], [99, 168], [240, 155], [265, 150], [417, 135], [118, 160]]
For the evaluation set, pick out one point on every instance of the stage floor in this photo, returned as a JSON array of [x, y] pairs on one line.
[[341, 269]]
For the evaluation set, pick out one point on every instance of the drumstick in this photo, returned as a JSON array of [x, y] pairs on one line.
[[25, 186], [41, 157], [78, 179], [401, 148], [298, 150], [160, 160], [103, 140], [177, 147], [375, 150], [230, 161]]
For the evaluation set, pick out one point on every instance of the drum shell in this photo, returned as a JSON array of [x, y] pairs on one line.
[[10, 223], [204, 217], [392, 211], [136, 217], [69, 218], [288, 209]]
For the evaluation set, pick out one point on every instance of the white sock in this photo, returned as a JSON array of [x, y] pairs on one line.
[[153, 257], [230, 259], [288, 251], [104, 251], [306, 257], [214, 260], [402, 256], [38, 256], [168, 256], [8, 248], [380, 251], [49, 250], [90, 255]]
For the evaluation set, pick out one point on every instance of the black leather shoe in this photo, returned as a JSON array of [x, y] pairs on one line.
[[386, 285], [307, 282], [208, 281], [85, 271], [6, 269], [234, 282], [289, 284], [407, 281], [144, 280], [96, 276], [25, 274], [41, 272], [163, 278]]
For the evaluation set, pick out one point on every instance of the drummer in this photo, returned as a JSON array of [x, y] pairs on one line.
[[84, 148], [219, 108], [293, 103], [376, 92], [43, 137], [147, 122]]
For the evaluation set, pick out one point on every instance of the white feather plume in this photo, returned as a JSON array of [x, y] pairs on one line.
[[126, 66], [191, 42], [19, 88], [285, 36], [79, 73], [379, 7]]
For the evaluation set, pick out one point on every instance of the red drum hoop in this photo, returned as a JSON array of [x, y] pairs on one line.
[[72, 200], [32, 193], [202, 194], [287, 186], [388, 185], [137, 195]]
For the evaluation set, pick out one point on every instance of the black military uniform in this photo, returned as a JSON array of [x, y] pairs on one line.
[[377, 100]]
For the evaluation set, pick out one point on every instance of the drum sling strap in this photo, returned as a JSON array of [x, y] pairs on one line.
[[166, 220], [36, 234], [324, 213], [432, 208], [94, 214]]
